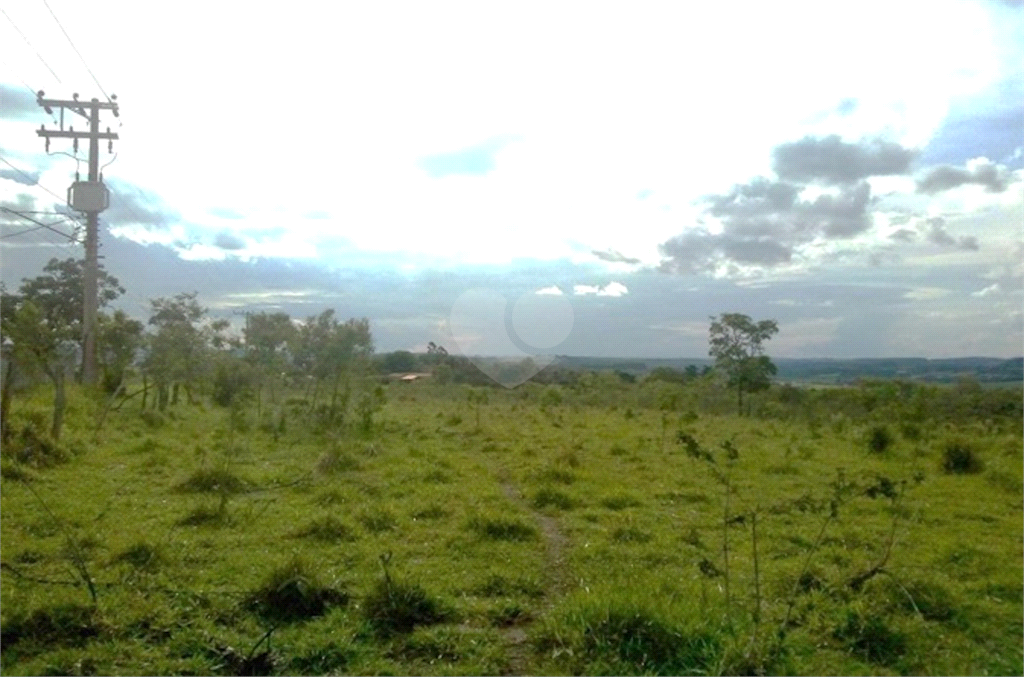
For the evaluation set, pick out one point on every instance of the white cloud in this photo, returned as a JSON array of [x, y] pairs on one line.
[[987, 291], [553, 290], [926, 294], [613, 289]]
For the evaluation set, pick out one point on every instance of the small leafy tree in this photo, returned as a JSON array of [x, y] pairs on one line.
[[59, 295], [736, 343]]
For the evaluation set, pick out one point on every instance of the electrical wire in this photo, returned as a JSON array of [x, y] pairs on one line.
[[70, 42], [35, 182], [34, 228], [47, 226], [23, 37], [32, 91], [29, 177]]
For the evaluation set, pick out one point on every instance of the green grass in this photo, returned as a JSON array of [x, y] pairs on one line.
[[523, 547]]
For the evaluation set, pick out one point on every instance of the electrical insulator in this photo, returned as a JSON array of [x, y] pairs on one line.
[[110, 146]]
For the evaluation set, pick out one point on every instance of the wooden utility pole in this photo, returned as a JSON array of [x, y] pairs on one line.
[[90, 197]]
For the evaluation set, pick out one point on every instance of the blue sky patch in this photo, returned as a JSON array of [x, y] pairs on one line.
[[472, 161]]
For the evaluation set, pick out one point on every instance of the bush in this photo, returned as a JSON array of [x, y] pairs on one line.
[[292, 592], [35, 449], [395, 606], [959, 457], [879, 439]]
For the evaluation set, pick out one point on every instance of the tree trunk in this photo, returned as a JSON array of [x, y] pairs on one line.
[[174, 393], [739, 393], [5, 400], [145, 391], [59, 402]]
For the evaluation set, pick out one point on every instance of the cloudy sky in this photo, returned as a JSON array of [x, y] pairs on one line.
[[616, 172]]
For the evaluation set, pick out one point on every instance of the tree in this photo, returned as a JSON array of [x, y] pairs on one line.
[[268, 339], [180, 348], [59, 295], [330, 349], [398, 361], [38, 344], [736, 343], [119, 338]]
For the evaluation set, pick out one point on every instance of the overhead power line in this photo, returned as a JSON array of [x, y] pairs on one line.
[[34, 182], [39, 224], [27, 42], [70, 42]]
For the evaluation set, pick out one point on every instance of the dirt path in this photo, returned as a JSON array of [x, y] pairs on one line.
[[556, 571]]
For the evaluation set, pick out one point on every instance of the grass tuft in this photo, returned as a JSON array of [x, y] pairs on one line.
[[293, 592], [548, 496], [869, 637], [627, 638], [213, 480], [620, 502], [398, 607], [502, 529], [61, 625], [141, 555], [328, 529]]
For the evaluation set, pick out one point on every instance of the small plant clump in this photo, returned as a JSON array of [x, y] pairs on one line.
[[64, 624], [293, 592], [548, 496], [879, 439], [959, 457], [870, 638], [501, 529], [627, 638], [398, 607], [327, 529], [214, 480]]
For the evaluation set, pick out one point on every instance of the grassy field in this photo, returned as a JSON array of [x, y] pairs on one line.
[[507, 537]]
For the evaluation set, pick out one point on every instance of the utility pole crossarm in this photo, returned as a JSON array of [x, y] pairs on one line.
[[61, 134]]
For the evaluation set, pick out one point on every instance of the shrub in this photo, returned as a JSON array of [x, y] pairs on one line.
[[293, 592], [35, 449], [959, 457], [396, 606], [879, 439]]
